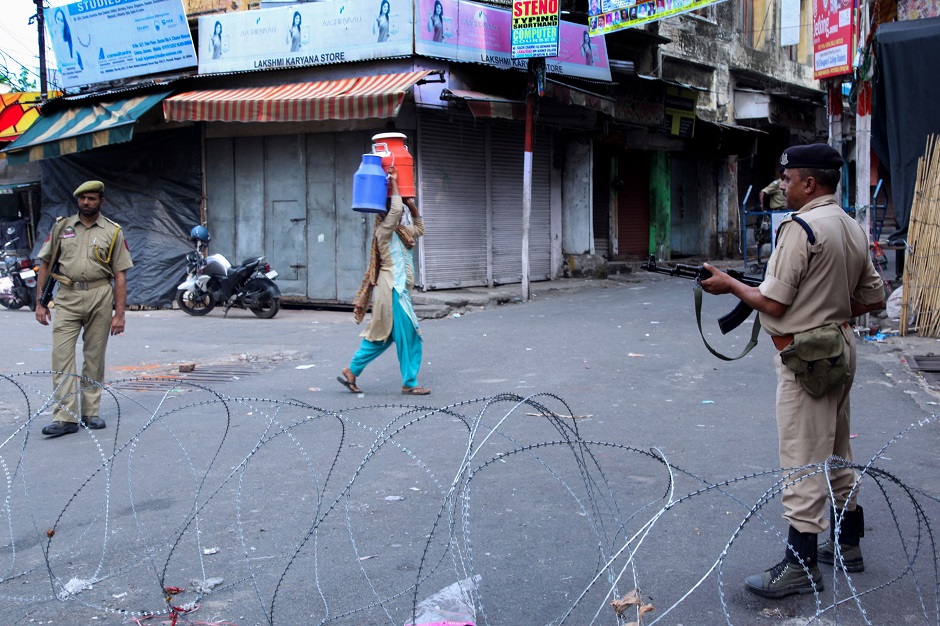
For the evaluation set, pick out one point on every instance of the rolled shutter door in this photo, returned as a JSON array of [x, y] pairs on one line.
[[452, 179]]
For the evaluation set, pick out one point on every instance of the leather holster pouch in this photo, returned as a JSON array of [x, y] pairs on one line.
[[818, 359]]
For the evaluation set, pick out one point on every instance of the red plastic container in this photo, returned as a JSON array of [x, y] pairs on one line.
[[391, 147]]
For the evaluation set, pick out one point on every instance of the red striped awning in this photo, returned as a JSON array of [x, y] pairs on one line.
[[346, 99]]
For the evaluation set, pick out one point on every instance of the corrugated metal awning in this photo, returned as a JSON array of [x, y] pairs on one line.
[[487, 105], [362, 97], [569, 94], [78, 129]]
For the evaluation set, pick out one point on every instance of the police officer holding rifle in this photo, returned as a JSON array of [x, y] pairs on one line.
[[818, 277]]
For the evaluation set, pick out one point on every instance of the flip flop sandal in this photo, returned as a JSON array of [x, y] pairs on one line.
[[415, 391], [348, 385]]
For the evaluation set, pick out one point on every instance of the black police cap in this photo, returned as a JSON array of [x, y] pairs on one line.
[[820, 156]]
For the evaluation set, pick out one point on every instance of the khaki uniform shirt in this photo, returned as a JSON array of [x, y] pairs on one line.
[[774, 200], [88, 253], [819, 291]]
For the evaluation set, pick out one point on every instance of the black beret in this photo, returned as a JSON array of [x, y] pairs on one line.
[[820, 156]]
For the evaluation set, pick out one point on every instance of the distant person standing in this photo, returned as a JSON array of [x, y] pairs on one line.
[[85, 253], [771, 199], [390, 275], [771, 196]]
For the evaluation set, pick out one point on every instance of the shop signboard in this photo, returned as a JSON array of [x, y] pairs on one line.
[[679, 118], [478, 33], [608, 16], [317, 33], [833, 38], [535, 28], [104, 40]]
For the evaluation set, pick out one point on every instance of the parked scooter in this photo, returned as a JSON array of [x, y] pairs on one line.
[[212, 281], [17, 279]]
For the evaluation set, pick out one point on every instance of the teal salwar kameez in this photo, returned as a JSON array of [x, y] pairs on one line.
[[393, 317], [407, 344]]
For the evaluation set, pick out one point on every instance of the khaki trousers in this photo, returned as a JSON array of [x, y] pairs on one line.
[[810, 431], [75, 311]]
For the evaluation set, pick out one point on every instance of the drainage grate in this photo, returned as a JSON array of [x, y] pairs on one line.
[[928, 365], [925, 362], [207, 375]]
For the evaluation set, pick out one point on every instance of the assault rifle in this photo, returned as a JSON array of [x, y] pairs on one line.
[[46, 294], [727, 322]]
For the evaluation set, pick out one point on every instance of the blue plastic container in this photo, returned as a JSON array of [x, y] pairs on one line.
[[370, 186]]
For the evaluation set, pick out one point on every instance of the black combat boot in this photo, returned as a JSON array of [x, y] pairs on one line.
[[851, 531], [789, 575]]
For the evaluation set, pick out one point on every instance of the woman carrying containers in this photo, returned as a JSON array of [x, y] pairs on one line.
[[390, 274]]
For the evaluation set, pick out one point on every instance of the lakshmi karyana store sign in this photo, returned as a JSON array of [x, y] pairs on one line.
[[320, 33]]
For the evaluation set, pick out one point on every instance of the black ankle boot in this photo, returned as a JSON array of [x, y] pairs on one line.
[[851, 531], [789, 575]]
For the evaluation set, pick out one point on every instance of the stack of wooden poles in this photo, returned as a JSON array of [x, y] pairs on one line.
[[920, 299]]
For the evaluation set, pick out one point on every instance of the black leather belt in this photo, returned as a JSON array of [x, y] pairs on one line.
[[82, 285]]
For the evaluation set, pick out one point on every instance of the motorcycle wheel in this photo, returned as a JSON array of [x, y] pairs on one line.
[[31, 299], [193, 303], [269, 309], [270, 304]]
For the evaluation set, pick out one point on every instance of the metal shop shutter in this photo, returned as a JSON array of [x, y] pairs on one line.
[[506, 169], [633, 207], [452, 180]]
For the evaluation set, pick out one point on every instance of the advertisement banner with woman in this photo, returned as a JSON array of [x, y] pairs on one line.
[[96, 42], [479, 33], [302, 35]]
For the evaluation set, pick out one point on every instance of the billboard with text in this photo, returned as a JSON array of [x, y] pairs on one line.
[[608, 16], [833, 37], [103, 40], [318, 33]]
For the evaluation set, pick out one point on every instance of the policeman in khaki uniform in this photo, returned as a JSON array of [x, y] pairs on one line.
[[91, 253], [819, 276]]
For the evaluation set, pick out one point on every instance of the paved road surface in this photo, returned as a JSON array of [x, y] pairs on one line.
[[259, 477]]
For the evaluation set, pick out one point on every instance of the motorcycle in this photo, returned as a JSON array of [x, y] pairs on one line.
[[211, 280], [17, 280]]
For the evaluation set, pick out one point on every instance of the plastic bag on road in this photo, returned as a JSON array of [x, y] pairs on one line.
[[451, 606]]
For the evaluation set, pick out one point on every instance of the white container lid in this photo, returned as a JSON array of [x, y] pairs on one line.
[[389, 136]]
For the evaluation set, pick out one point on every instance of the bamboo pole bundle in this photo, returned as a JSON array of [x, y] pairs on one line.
[[921, 294]]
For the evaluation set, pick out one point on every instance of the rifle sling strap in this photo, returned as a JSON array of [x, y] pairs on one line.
[[755, 331], [698, 319]]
